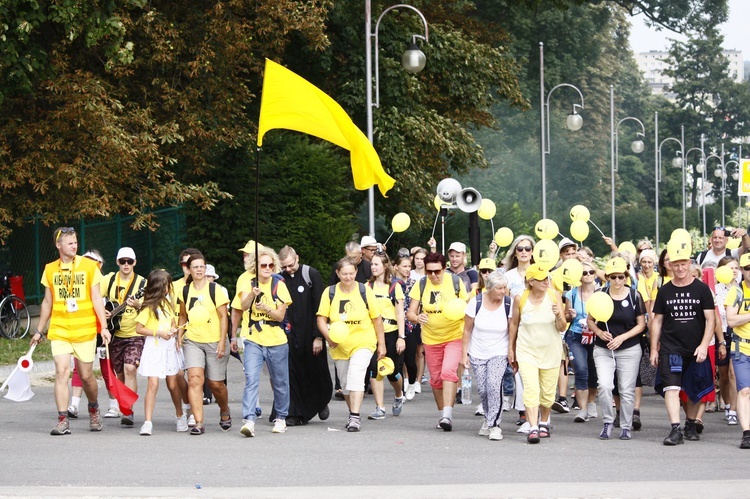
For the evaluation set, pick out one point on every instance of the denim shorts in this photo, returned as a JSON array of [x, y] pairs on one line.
[[741, 364]]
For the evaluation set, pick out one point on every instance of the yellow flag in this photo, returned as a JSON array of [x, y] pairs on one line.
[[291, 102]]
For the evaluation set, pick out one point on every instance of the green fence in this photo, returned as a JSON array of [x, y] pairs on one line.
[[30, 247]]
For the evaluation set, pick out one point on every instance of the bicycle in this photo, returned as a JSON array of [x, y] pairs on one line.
[[15, 319]]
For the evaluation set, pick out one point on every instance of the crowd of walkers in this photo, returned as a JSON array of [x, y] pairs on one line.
[[517, 328]]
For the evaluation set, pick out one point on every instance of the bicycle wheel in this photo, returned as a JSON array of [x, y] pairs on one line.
[[15, 320]]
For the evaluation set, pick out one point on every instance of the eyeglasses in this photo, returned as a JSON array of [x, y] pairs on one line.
[[64, 230], [290, 266], [521, 249], [746, 267], [265, 265], [617, 277], [197, 267], [125, 261], [433, 271], [588, 272]]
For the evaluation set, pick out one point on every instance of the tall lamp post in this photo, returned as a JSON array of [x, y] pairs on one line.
[[722, 173], [700, 168], [636, 146], [413, 61], [574, 122], [677, 162]]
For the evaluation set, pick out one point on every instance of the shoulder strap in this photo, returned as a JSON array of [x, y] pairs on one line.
[[524, 297], [306, 275], [422, 285], [212, 291], [456, 285], [479, 303], [363, 293], [185, 290], [111, 282], [701, 257], [507, 302], [331, 293]]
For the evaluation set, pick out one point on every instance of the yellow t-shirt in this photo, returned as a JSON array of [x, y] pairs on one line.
[[733, 300], [204, 325], [161, 321], [387, 308], [117, 294], [350, 308], [439, 329], [176, 293], [243, 283], [268, 336], [72, 281], [647, 287]]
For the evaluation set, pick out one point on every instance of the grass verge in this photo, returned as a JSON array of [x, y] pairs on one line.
[[11, 350]]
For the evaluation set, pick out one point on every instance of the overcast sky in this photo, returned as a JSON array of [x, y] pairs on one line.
[[736, 32]]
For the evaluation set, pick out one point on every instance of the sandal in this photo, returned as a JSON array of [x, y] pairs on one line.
[[225, 424], [544, 431], [533, 437], [198, 429]]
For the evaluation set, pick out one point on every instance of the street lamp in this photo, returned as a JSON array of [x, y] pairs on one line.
[[413, 61], [722, 173], [700, 168], [636, 146], [677, 162], [574, 122]]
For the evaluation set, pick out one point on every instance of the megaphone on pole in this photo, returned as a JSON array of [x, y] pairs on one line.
[[448, 190], [469, 200]]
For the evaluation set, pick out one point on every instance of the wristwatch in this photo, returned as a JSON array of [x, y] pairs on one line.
[[723, 343]]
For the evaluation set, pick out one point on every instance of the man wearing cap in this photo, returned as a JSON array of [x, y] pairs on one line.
[[738, 318], [354, 251], [369, 246], [125, 353], [457, 257], [681, 329], [718, 249], [73, 305]]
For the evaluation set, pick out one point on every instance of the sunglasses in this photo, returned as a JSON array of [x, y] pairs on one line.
[[433, 272], [64, 230], [588, 272], [125, 261], [265, 265], [718, 227], [746, 267], [521, 249], [617, 277], [486, 271]]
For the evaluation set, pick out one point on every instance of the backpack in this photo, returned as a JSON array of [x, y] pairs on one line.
[[702, 255], [306, 275], [284, 324], [506, 301], [395, 281], [362, 293], [456, 286]]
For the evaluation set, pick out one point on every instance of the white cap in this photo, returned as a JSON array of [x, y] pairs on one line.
[[211, 271], [460, 247], [368, 241], [126, 252], [565, 242]]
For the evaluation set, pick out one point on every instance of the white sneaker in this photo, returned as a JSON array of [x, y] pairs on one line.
[[479, 410], [181, 423], [147, 428], [417, 388], [248, 428], [591, 410], [484, 430], [732, 419], [496, 433], [507, 403], [279, 426], [113, 412], [411, 390], [525, 428], [191, 421]]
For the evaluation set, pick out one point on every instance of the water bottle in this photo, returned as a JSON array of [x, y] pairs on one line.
[[466, 387]]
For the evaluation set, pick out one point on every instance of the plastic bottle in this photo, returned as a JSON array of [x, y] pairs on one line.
[[466, 387]]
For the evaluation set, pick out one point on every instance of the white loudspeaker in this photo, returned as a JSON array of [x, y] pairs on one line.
[[469, 200], [448, 189]]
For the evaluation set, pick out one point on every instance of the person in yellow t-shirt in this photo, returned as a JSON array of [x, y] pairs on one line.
[[72, 304], [365, 334], [265, 340], [203, 307], [441, 336], [737, 305]]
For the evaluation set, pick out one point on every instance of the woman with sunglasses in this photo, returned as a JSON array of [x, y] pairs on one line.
[[442, 335], [204, 341], [265, 340], [390, 299], [517, 260], [617, 349], [727, 380], [580, 340], [414, 353]]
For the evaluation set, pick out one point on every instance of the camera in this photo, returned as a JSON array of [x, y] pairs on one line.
[[727, 233]]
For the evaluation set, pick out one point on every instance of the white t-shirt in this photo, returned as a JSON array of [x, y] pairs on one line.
[[712, 258], [516, 283], [489, 338]]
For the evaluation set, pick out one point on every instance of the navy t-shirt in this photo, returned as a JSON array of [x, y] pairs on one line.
[[684, 319], [624, 318]]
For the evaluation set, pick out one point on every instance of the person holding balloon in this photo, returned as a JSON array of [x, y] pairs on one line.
[[535, 347], [437, 303], [617, 317], [350, 321]]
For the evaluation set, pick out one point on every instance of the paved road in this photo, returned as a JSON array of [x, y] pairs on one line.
[[400, 456]]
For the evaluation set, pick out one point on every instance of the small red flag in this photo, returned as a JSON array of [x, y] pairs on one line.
[[124, 395]]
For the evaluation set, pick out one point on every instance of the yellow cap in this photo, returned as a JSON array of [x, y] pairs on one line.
[[487, 263], [536, 272], [385, 367], [616, 265], [745, 260]]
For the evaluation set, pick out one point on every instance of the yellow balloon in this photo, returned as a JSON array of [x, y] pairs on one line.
[[733, 243], [338, 331], [572, 270], [600, 306], [579, 230], [546, 229], [724, 274], [437, 202], [580, 213], [504, 237], [557, 281], [628, 247], [680, 235], [454, 310], [487, 209], [546, 253], [400, 222], [198, 315]]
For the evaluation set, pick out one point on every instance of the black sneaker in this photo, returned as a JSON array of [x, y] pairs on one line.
[[745, 443], [521, 419], [674, 438], [561, 405], [636, 422], [691, 433]]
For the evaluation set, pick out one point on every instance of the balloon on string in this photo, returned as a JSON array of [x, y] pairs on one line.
[[557, 281], [724, 274], [437, 202], [733, 243], [400, 222], [572, 271], [546, 229], [487, 209], [580, 213], [546, 253], [504, 237], [455, 309], [627, 246], [600, 306], [579, 230], [680, 235], [338, 331]]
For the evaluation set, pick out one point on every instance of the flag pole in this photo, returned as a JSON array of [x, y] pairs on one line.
[[257, 204]]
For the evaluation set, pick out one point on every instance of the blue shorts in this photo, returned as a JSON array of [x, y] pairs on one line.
[[741, 364]]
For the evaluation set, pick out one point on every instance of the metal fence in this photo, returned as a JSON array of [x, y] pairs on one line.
[[30, 247]]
